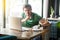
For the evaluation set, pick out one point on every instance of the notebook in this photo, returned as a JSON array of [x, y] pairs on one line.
[[15, 23]]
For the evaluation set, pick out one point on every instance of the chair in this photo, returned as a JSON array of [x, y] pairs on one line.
[[7, 37]]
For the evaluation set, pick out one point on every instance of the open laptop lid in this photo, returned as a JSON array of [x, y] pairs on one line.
[[15, 23]]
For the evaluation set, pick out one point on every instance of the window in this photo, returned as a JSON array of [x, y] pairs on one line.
[[1, 13], [14, 8], [53, 9], [36, 6]]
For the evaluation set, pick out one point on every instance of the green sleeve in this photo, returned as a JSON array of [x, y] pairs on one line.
[[37, 18], [23, 15]]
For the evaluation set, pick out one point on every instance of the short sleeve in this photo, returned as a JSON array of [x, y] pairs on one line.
[[37, 18], [22, 15]]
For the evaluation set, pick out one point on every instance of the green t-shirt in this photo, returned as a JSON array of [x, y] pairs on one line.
[[34, 20]]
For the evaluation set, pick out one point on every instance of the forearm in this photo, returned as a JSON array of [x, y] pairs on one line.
[[23, 20], [46, 24]]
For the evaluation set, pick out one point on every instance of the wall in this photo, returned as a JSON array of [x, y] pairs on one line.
[[45, 8]]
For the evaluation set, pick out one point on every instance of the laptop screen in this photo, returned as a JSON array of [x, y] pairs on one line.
[[15, 23]]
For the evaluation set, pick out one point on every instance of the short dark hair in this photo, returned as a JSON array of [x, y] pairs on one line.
[[27, 6]]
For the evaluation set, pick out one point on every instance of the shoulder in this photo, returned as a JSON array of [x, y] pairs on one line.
[[23, 13], [36, 15]]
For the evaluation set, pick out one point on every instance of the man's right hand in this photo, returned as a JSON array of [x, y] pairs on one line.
[[27, 18]]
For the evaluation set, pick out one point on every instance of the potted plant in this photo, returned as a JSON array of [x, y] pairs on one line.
[[52, 12]]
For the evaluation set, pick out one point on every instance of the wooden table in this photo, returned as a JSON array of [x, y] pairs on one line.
[[24, 35]]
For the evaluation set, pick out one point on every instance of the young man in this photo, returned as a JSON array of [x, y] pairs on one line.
[[29, 18]]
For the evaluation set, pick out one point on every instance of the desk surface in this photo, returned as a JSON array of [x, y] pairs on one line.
[[22, 34]]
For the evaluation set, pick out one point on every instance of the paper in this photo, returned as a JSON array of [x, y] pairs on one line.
[[35, 28]]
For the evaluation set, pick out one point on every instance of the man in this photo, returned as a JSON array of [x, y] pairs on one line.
[[29, 19]]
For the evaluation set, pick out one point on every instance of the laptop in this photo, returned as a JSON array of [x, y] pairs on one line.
[[15, 23]]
